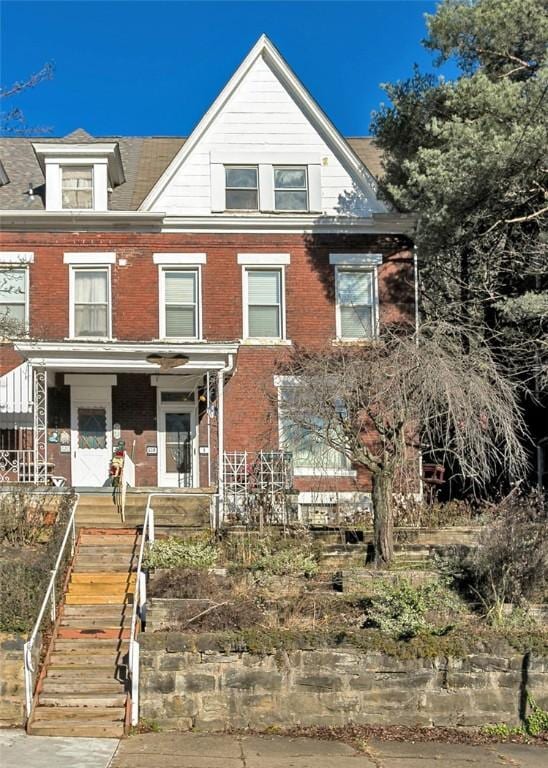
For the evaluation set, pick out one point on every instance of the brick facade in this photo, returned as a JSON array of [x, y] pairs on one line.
[[250, 419]]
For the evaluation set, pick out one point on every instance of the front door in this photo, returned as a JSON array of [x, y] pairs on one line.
[[176, 446], [91, 432]]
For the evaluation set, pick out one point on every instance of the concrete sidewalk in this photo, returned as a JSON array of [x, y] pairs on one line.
[[18, 750], [194, 750]]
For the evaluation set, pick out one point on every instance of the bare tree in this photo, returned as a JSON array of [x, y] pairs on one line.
[[12, 120], [379, 403]]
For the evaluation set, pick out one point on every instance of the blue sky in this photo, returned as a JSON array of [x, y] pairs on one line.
[[153, 68]]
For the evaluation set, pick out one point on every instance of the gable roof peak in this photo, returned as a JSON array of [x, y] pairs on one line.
[[79, 134]]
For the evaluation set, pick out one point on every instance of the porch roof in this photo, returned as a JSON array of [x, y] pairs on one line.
[[137, 357]]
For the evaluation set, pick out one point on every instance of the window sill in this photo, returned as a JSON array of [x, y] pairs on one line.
[[95, 339], [180, 340], [354, 342], [319, 472], [266, 342]]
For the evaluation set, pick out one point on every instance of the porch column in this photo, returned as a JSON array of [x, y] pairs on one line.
[[40, 389], [220, 445]]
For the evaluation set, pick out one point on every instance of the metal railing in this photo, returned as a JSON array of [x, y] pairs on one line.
[[49, 597], [139, 610]]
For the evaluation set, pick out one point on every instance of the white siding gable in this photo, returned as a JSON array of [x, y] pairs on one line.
[[262, 123]]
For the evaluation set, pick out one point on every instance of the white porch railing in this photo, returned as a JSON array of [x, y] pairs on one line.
[[17, 466], [51, 598]]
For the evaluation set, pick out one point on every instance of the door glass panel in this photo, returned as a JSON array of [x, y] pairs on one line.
[[178, 455], [92, 428]]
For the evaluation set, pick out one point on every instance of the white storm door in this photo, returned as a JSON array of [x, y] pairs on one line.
[[177, 447], [91, 433]]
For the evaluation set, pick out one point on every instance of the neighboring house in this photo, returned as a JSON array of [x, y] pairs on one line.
[[155, 275]]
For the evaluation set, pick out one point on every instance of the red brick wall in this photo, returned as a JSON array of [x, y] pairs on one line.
[[250, 421]]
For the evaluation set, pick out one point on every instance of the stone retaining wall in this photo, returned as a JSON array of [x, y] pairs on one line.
[[12, 679], [187, 683]]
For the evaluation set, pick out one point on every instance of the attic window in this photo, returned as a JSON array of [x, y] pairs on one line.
[[242, 192], [77, 187], [290, 189]]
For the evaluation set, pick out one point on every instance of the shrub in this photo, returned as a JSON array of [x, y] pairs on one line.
[[288, 562], [510, 564], [181, 553], [30, 545], [403, 611], [536, 722]]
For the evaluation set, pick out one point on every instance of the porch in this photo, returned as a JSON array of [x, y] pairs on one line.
[[71, 405]]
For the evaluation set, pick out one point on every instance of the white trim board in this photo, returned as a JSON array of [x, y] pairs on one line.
[[16, 257], [355, 259], [264, 259], [183, 259], [85, 259]]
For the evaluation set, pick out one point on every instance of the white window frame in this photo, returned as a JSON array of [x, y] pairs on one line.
[[176, 266], [306, 189], [266, 340], [11, 264], [91, 266], [67, 166], [242, 166], [284, 382], [358, 262]]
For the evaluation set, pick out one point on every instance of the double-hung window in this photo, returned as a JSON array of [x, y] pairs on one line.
[[14, 298], [180, 311], [77, 187], [356, 303], [90, 302], [290, 189], [242, 188], [263, 305]]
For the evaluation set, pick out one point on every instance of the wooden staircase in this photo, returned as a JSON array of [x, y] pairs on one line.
[[81, 690]]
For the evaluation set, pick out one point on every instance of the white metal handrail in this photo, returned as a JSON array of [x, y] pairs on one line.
[[139, 602], [50, 595]]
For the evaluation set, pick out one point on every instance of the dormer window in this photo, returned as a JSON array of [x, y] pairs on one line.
[[79, 176], [77, 187]]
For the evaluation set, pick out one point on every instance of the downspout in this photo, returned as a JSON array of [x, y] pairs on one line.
[[416, 280], [220, 439]]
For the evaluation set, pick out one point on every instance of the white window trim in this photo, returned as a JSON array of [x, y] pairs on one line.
[[375, 313], [260, 340], [8, 264], [287, 381], [355, 259], [9, 258], [264, 259], [179, 259], [75, 266], [178, 267], [100, 259], [247, 166], [306, 188]]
